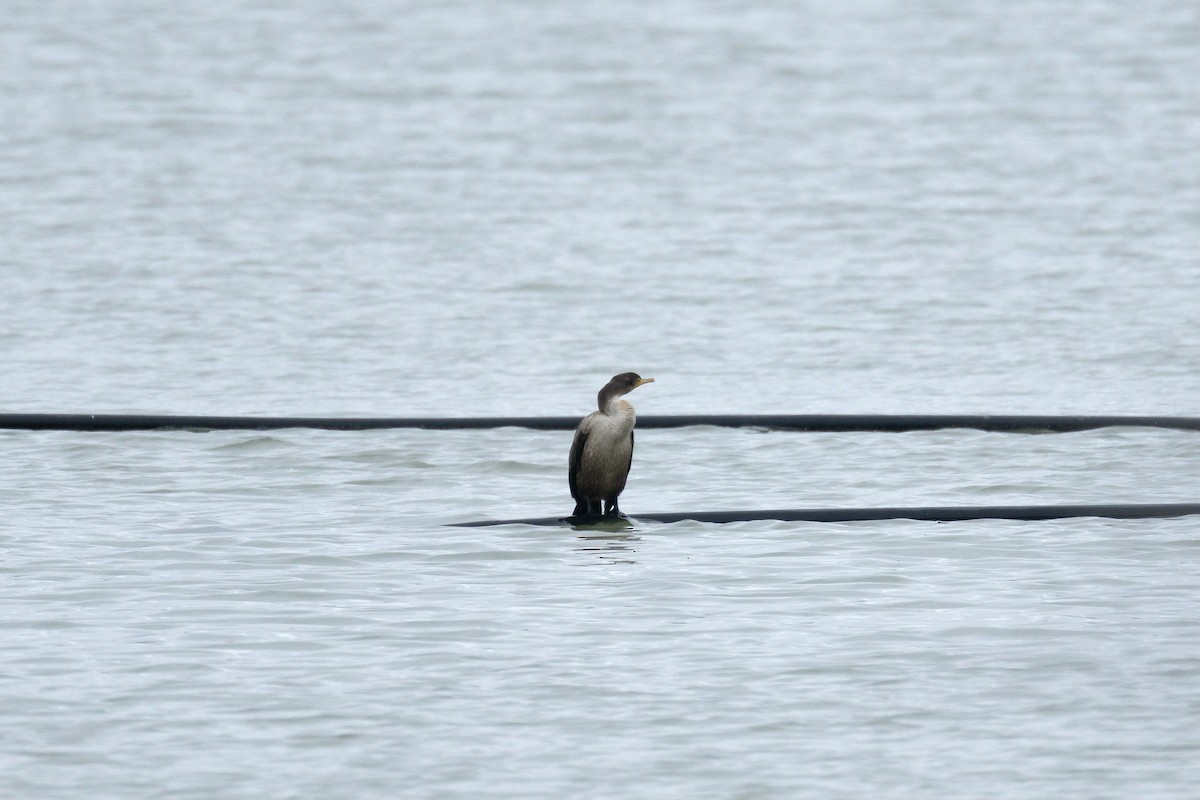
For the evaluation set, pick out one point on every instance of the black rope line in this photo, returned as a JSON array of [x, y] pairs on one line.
[[931, 514], [1007, 423]]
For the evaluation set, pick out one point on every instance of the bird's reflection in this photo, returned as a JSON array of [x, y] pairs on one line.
[[608, 547]]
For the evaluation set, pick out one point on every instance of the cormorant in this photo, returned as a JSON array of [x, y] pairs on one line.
[[603, 449]]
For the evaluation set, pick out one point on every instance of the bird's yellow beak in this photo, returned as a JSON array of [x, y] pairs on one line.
[[643, 380]]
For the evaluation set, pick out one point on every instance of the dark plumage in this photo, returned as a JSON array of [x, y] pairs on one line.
[[602, 450]]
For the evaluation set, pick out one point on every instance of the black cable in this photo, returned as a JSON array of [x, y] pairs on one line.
[[783, 422], [931, 514]]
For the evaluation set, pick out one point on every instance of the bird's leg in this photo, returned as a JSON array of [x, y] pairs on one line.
[[587, 507], [596, 507]]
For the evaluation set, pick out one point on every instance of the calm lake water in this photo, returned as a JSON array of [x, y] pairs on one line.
[[453, 208]]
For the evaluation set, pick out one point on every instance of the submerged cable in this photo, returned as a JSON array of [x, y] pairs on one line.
[[929, 513], [1008, 423]]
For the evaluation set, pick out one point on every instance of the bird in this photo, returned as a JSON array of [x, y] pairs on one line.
[[602, 450]]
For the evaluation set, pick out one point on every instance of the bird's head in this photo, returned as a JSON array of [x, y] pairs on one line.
[[626, 382], [621, 384]]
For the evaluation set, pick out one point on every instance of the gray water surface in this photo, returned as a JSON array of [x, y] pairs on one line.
[[403, 208]]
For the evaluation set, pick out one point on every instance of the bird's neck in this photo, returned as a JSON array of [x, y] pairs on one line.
[[612, 405]]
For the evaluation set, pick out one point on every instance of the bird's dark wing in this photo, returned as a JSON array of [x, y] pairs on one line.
[[576, 459], [630, 464]]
